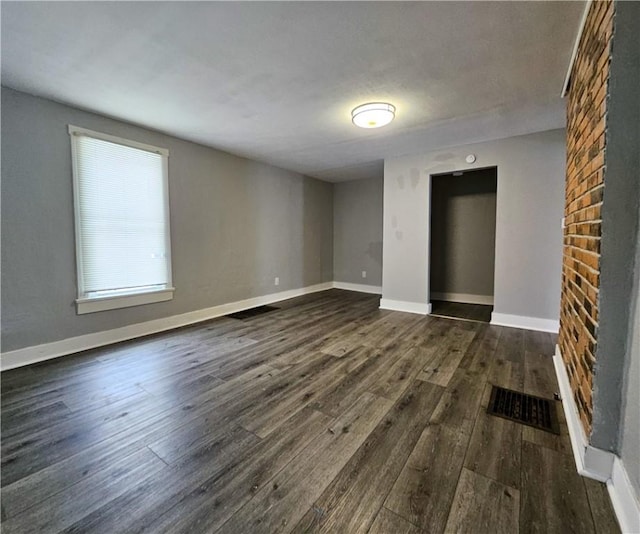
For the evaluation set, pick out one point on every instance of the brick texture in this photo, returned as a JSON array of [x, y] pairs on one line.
[[585, 182]]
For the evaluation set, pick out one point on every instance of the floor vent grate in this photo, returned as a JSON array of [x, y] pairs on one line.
[[252, 312], [526, 409]]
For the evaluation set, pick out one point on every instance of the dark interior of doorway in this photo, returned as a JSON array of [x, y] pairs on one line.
[[462, 248]]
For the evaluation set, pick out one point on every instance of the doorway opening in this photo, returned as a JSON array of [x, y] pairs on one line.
[[462, 244]]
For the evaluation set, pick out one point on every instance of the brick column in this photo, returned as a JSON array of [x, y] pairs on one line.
[[585, 182]]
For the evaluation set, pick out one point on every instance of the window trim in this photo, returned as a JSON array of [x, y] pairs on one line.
[[84, 303]]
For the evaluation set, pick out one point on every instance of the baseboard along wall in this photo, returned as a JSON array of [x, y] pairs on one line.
[[595, 463], [360, 288], [55, 349], [405, 306], [528, 323]]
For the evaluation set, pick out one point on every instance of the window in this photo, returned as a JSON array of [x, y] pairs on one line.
[[123, 250]]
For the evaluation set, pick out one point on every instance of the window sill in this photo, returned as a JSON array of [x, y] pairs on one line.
[[96, 304]]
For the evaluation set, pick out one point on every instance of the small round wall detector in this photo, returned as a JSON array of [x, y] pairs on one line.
[[471, 158]]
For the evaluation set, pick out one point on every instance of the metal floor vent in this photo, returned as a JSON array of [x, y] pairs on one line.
[[526, 409], [252, 312]]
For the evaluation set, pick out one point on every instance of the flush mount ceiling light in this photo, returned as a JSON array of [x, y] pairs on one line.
[[373, 114]]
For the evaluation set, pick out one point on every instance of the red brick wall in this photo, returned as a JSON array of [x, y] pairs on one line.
[[585, 182]]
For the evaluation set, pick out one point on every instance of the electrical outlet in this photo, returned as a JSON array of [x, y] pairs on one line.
[[364, 274], [277, 281]]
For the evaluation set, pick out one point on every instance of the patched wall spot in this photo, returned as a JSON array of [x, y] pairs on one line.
[[415, 178]]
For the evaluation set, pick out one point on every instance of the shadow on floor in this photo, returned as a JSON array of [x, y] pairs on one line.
[[459, 310]]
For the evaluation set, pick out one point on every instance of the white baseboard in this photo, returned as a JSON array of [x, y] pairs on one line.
[[595, 463], [623, 498], [465, 298], [590, 461], [522, 321], [362, 288], [48, 351], [422, 308]]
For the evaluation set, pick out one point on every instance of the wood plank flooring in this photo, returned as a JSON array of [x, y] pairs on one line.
[[325, 415]]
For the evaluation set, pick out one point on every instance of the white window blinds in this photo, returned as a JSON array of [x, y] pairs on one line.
[[122, 220]]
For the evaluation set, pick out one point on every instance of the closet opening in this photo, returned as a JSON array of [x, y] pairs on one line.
[[462, 244]]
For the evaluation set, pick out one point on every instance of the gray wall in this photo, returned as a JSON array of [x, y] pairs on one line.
[[235, 225], [357, 231], [463, 233], [630, 431], [616, 395], [530, 203]]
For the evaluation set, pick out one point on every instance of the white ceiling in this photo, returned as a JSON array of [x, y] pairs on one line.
[[276, 81]]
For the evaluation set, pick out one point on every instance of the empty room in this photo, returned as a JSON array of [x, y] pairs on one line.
[[342, 267]]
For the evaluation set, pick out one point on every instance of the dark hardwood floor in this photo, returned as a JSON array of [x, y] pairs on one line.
[[461, 310], [326, 415]]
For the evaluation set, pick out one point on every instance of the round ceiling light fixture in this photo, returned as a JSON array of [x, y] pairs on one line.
[[373, 114]]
